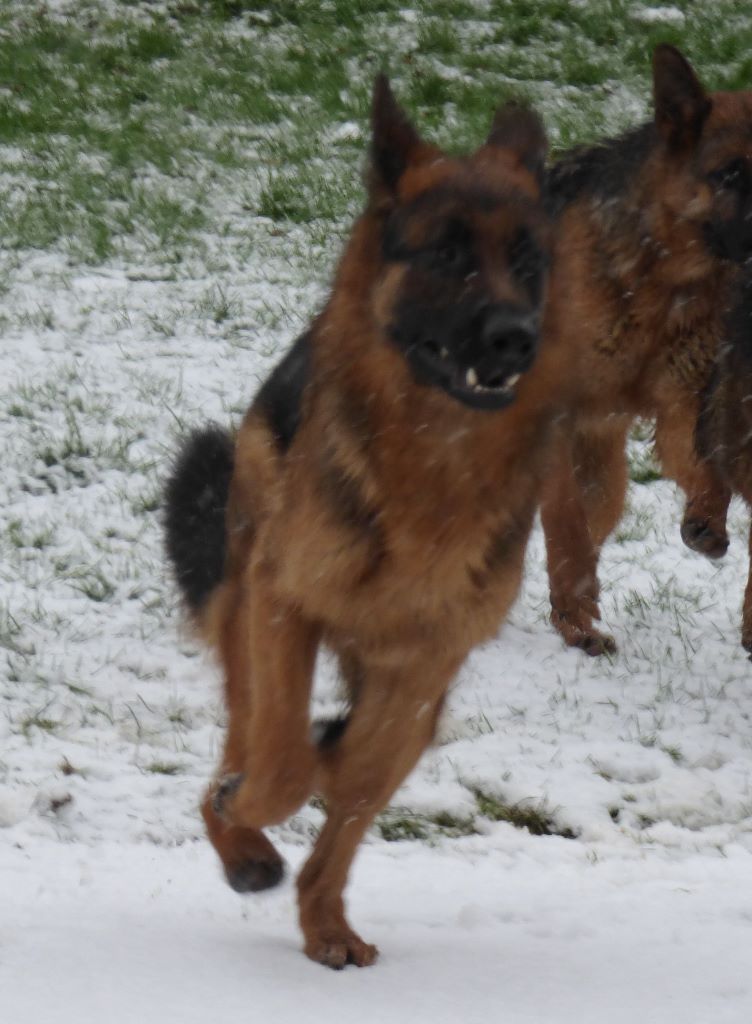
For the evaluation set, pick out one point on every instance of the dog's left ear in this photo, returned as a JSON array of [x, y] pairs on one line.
[[681, 103], [394, 141], [518, 128]]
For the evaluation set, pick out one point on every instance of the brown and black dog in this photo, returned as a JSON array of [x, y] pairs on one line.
[[650, 230], [724, 429], [378, 498]]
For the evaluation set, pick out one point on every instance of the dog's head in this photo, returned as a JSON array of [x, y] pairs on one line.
[[706, 151], [464, 252]]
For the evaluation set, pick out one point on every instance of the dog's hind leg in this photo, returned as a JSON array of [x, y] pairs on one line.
[[269, 651], [391, 724], [600, 465]]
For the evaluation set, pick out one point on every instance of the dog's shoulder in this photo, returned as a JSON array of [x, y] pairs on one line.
[[599, 172], [280, 398]]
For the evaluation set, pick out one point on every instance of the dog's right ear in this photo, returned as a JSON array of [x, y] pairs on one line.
[[681, 103], [519, 129], [394, 141]]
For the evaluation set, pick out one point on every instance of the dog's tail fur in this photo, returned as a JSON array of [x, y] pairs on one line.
[[194, 518]]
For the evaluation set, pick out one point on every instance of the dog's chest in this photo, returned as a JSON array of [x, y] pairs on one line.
[[419, 529]]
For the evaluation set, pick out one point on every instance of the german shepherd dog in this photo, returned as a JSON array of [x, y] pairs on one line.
[[724, 429], [377, 499], [650, 229]]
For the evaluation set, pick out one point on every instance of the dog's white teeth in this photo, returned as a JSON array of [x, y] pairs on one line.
[[513, 380], [471, 378]]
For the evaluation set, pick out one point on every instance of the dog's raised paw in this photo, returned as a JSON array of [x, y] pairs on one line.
[[254, 875], [226, 789], [698, 536]]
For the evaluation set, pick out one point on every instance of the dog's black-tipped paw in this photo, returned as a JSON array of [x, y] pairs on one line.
[[226, 789], [255, 875], [698, 536]]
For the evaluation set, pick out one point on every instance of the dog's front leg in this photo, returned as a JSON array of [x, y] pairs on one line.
[[272, 647], [391, 724], [703, 526]]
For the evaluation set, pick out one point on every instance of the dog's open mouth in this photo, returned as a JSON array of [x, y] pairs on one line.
[[477, 386], [499, 382]]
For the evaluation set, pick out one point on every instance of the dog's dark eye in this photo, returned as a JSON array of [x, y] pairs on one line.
[[449, 255], [732, 176]]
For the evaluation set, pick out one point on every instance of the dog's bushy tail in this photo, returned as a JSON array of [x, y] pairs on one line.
[[194, 519]]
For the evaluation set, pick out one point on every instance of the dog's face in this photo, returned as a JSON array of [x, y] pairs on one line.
[[725, 163], [710, 137], [465, 250]]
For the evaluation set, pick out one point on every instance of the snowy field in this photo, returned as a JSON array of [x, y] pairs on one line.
[[635, 902]]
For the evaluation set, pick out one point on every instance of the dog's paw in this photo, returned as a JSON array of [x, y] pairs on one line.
[[337, 951], [698, 536], [595, 643], [254, 875], [577, 630]]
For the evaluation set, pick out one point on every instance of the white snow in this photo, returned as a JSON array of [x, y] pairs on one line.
[[111, 898], [668, 15], [511, 929]]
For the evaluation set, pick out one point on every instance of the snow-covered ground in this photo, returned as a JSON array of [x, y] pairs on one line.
[[638, 906], [111, 899]]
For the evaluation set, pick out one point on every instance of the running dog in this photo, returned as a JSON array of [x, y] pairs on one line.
[[377, 499], [650, 231]]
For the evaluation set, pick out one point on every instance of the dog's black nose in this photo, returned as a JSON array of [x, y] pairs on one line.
[[512, 334]]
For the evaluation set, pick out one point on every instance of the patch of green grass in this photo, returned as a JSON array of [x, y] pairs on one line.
[[164, 768], [674, 753], [536, 819], [216, 305], [636, 605], [93, 583], [11, 632], [38, 720], [114, 112], [149, 502], [394, 827], [20, 536], [301, 198], [396, 824], [635, 525]]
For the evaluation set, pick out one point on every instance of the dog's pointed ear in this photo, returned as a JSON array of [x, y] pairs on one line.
[[394, 141], [517, 128], [681, 103]]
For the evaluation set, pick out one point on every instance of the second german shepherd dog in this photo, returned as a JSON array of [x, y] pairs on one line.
[[724, 429], [650, 230], [377, 499]]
